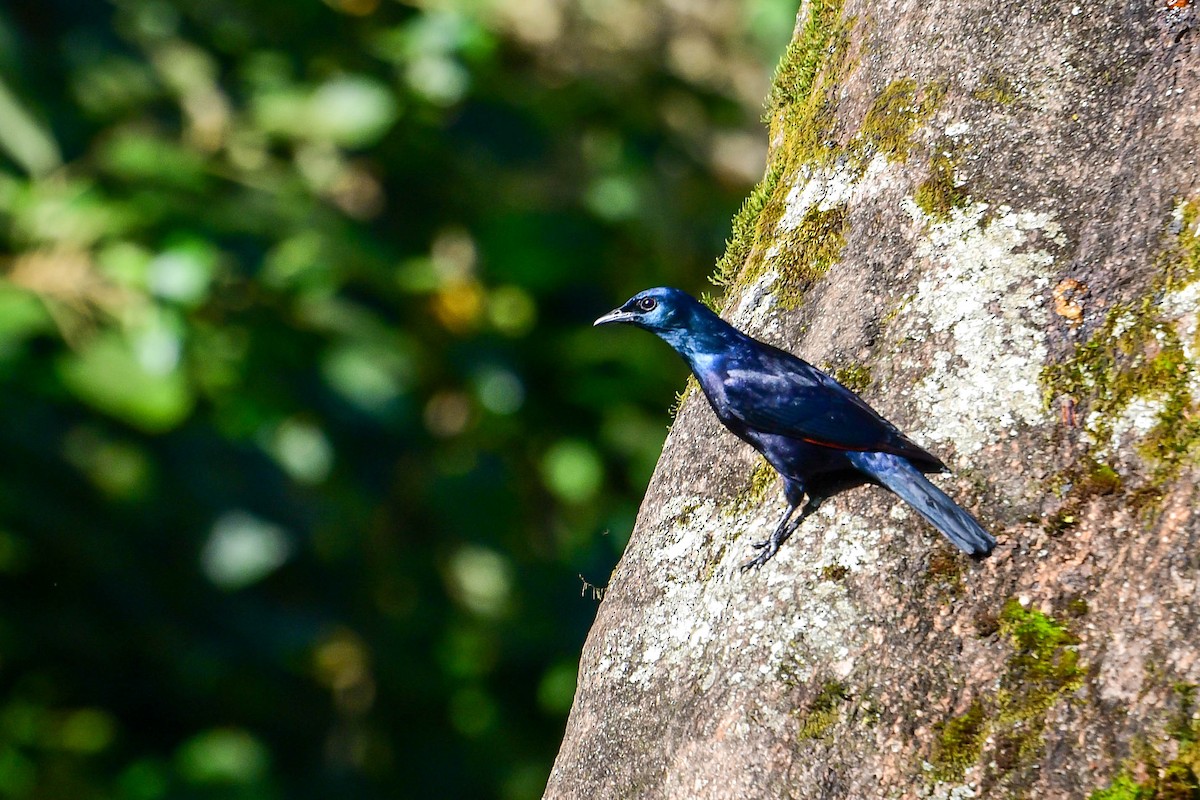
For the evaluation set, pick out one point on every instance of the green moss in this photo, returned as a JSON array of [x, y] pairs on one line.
[[1183, 728], [714, 303], [987, 622], [1135, 355], [1123, 787], [1076, 486], [1101, 479], [681, 397], [1044, 664], [996, 88], [894, 116], [807, 133], [801, 105], [944, 566], [895, 311], [855, 377], [823, 712], [1182, 262], [1077, 607], [1177, 779], [1062, 520], [808, 252], [714, 553], [1180, 774], [945, 571], [796, 75], [1177, 782], [801, 118], [745, 230], [834, 572], [1042, 669], [939, 194], [804, 253], [684, 517], [762, 482], [869, 714], [959, 744]]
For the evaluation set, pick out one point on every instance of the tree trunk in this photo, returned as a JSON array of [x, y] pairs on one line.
[[984, 217]]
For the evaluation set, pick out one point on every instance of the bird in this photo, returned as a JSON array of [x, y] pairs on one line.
[[817, 434]]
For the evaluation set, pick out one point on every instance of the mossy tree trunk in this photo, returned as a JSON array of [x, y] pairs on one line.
[[984, 216]]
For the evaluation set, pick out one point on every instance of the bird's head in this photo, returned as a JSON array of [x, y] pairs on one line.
[[662, 310], [679, 319]]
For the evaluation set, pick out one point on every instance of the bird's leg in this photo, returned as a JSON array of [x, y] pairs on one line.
[[771, 546], [783, 521], [814, 502], [782, 531]]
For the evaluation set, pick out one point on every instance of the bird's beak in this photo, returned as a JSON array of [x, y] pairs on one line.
[[616, 315]]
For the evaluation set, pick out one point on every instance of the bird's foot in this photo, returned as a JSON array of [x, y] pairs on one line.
[[771, 545], [769, 549]]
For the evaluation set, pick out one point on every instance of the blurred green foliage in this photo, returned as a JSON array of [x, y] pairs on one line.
[[306, 436]]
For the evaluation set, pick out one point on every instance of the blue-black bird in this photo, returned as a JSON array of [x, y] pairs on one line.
[[816, 433]]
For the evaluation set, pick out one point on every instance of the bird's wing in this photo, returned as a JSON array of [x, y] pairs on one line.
[[778, 393]]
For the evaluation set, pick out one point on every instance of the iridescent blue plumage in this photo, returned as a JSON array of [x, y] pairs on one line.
[[815, 432]]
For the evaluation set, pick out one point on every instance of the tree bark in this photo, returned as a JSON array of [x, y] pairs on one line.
[[984, 216]]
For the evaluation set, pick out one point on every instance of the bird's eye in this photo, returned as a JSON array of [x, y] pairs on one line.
[[647, 304]]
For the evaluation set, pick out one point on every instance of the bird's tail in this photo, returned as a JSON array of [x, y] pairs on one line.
[[955, 523]]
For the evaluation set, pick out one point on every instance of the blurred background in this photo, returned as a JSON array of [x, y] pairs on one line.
[[309, 456]]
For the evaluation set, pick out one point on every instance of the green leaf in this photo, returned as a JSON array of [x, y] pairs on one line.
[[108, 376], [22, 314]]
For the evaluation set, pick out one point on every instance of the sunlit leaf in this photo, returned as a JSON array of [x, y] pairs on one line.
[[88, 730], [108, 375], [223, 755], [112, 85], [66, 213], [572, 470], [482, 580], [302, 449], [22, 314], [143, 156], [24, 138], [243, 549], [368, 376], [352, 110], [348, 110], [182, 273]]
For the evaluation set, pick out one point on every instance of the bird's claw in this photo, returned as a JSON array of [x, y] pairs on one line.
[[769, 549], [760, 545]]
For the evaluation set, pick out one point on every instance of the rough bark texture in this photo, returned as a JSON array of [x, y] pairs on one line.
[[984, 215]]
